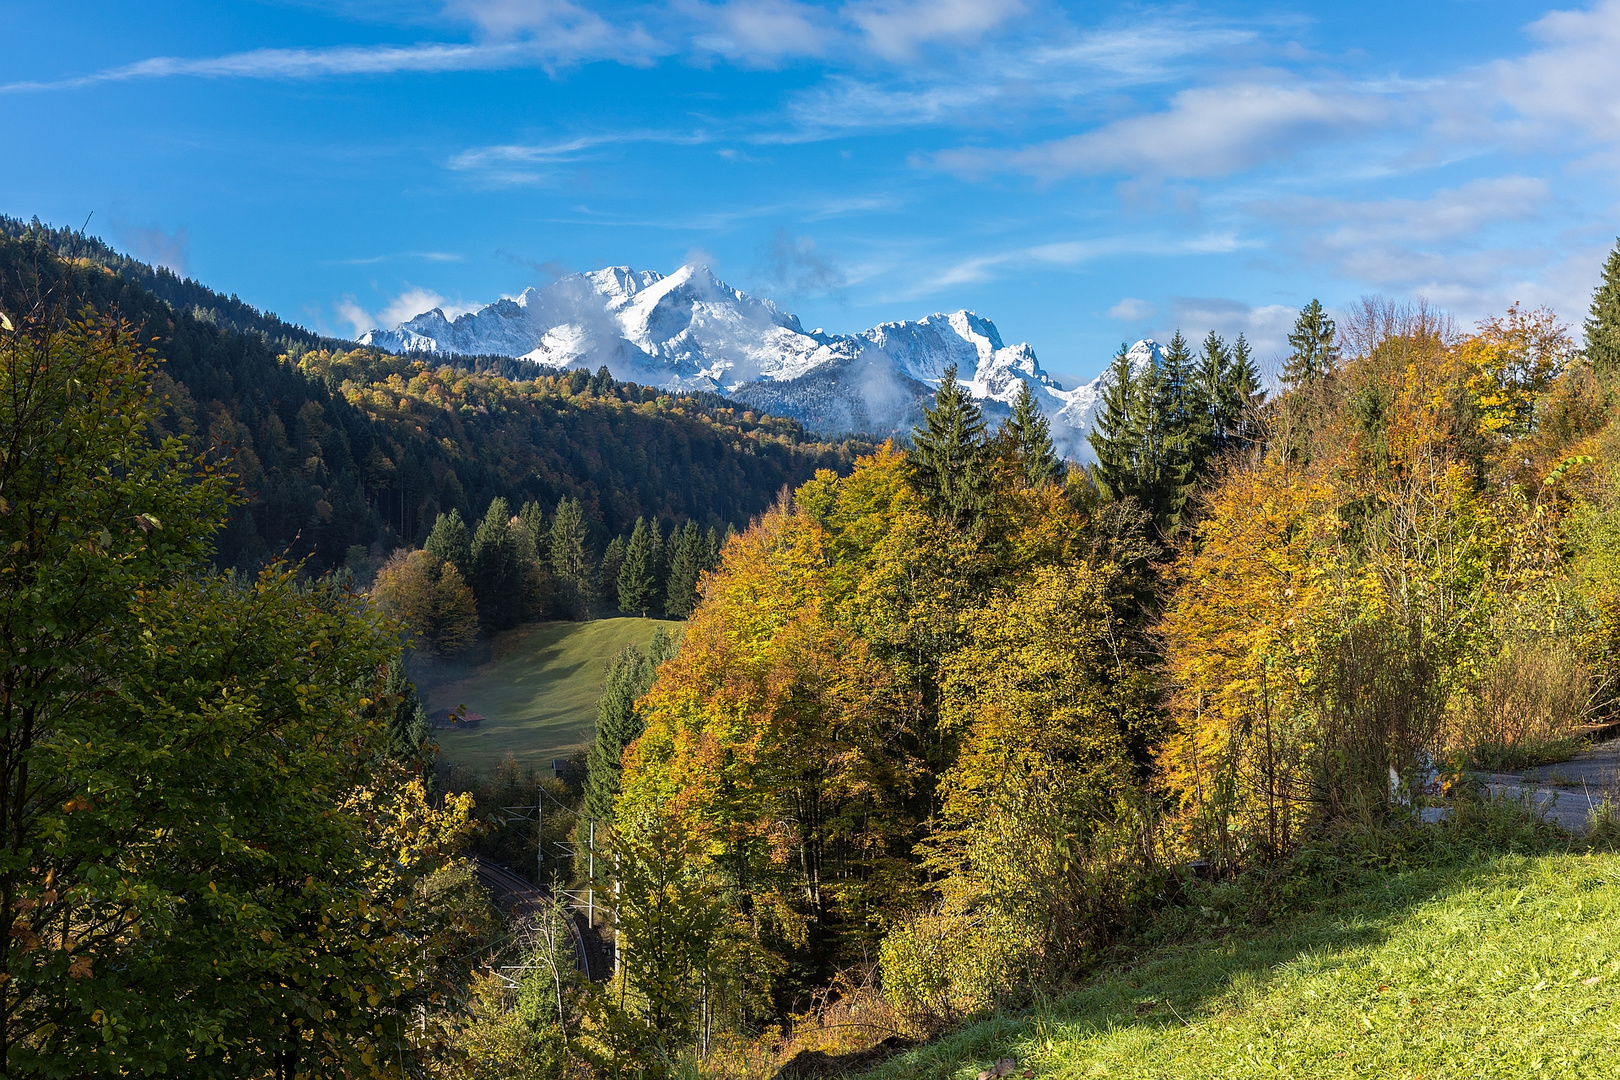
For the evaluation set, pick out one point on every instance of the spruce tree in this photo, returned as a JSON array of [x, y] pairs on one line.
[[607, 576], [638, 574], [408, 729], [1031, 436], [947, 457], [1243, 379], [571, 559], [685, 566], [630, 674], [1314, 353], [711, 549], [534, 521], [1111, 437], [1603, 325], [450, 542], [1224, 406], [1245, 375], [499, 577], [661, 553], [1149, 437]]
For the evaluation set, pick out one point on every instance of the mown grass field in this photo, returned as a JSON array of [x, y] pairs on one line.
[[538, 691], [1508, 966]]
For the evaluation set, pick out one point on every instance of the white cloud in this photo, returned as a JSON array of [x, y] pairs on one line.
[[1052, 64], [1206, 132], [1411, 245], [1131, 309], [894, 28], [1265, 327], [303, 64], [764, 32], [407, 305], [562, 30], [1069, 253], [1573, 78]]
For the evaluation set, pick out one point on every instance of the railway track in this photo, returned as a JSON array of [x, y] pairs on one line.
[[517, 897]]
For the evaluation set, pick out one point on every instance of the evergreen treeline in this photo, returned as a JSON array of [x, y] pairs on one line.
[[345, 455], [1160, 428], [530, 565]]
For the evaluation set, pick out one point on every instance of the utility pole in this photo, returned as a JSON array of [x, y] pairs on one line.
[[615, 913], [540, 838], [590, 876]]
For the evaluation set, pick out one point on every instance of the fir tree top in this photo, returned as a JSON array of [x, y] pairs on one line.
[[948, 451], [450, 541], [1031, 435], [1603, 325], [1312, 341]]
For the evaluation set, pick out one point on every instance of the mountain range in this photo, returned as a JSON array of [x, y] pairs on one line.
[[691, 331]]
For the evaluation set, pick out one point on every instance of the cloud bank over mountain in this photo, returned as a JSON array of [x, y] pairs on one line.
[[691, 331]]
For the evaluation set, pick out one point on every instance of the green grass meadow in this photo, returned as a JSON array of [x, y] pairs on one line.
[[537, 691], [1504, 966]]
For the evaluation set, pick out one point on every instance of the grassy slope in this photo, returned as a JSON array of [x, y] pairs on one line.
[[1485, 969], [538, 690]]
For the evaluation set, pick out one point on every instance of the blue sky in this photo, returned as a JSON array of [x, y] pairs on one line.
[[1080, 174]]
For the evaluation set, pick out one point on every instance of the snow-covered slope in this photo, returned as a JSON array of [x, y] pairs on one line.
[[690, 330]]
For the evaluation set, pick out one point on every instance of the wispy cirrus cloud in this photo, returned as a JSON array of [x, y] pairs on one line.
[[1204, 132], [1071, 253], [528, 163], [301, 64]]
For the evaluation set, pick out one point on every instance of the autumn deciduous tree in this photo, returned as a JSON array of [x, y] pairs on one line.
[[428, 595]]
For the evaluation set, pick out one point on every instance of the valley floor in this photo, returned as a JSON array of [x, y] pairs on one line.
[[1504, 966], [537, 691]]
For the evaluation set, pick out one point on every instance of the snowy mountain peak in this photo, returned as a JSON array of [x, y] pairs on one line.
[[690, 330]]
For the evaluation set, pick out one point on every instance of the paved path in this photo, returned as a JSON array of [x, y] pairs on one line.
[[1569, 790]]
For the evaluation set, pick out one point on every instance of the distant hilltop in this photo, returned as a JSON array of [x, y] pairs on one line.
[[691, 331]]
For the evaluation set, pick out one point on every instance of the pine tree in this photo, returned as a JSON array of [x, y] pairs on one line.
[[607, 576], [1314, 353], [661, 552], [1030, 433], [408, 729], [638, 574], [711, 549], [1111, 438], [1215, 380], [1149, 437], [534, 521], [947, 458], [1603, 325], [685, 566], [1245, 375], [571, 559], [500, 580], [450, 542], [630, 674]]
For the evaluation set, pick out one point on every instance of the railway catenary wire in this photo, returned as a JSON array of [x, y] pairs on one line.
[[512, 892]]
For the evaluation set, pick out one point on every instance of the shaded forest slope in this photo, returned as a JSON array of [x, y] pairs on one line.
[[349, 452]]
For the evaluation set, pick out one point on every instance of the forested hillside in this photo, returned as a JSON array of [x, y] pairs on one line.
[[343, 455]]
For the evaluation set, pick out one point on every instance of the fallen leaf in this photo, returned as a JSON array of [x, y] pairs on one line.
[[1593, 981]]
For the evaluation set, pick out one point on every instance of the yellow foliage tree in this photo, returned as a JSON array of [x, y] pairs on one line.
[[429, 596]]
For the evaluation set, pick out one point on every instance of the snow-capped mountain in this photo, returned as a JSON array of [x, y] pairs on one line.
[[691, 331]]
